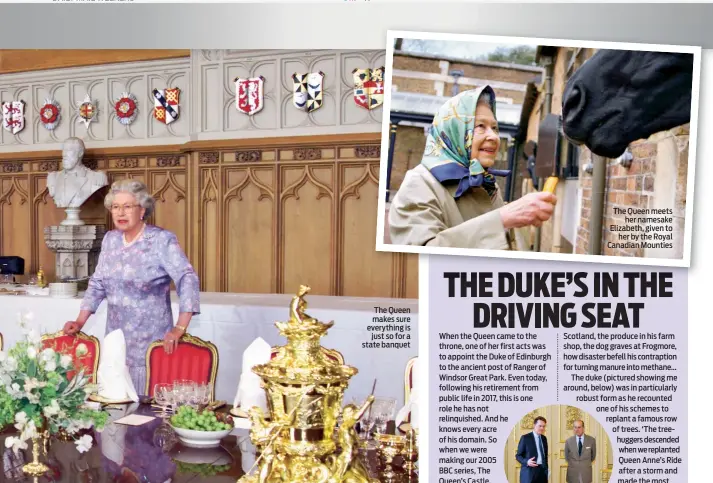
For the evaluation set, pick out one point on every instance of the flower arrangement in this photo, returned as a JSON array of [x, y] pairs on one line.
[[37, 396]]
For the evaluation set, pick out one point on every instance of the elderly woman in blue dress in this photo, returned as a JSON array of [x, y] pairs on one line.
[[136, 266]]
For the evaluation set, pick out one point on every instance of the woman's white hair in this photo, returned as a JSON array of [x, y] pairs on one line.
[[486, 99], [135, 188]]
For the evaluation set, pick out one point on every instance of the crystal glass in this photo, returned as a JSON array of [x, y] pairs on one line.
[[182, 389], [162, 397], [383, 410], [203, 393]]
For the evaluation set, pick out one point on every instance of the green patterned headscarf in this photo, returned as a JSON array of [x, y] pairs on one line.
[[448, 146]]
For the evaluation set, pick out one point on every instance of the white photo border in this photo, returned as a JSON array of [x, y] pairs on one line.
[[684, 262]]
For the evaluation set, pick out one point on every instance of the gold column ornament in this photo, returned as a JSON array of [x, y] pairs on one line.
[[41, 281], [301, 443], [35, 468]]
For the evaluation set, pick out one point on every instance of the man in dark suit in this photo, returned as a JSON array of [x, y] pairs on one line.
[[532, 454]]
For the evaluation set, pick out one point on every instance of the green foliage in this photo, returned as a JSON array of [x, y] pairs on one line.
[[35, 381], [522, 54]]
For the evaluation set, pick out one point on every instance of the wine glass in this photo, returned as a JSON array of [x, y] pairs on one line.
[[181, 389], [383, 409], [161, 394], [204, 392]]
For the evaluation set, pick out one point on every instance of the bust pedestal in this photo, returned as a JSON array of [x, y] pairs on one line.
[[77, 249], [72, 217]]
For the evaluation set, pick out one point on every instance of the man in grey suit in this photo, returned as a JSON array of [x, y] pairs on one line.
[[580, 451]]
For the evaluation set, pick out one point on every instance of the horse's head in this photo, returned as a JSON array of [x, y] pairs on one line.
[[619, 96]]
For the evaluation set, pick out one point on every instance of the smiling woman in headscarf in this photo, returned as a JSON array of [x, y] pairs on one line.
[[451, 199]]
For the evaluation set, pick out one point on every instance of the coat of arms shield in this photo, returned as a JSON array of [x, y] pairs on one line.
[[249, 97], [13, 116], [166, 104], [369, 87], [308, 90]]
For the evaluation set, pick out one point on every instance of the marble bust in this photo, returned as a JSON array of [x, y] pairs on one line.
[[75, 183]]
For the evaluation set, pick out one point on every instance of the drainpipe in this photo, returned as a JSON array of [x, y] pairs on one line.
[[390, 159], [599, 180], [456, 74], [547, 108]]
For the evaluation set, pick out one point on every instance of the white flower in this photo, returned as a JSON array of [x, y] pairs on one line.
[[62, 414], [14, 391], [52, 409], [33, 383], [15, 443], [29, 431], [50, 366], [84, 443], [34, 337], [47, 354], [5, 380], [11, 364], [3, 356], [33, 398], [82, 350], [65, 361], [21, 417], [31, 352]]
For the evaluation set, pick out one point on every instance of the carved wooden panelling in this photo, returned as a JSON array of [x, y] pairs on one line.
[[297, 212]]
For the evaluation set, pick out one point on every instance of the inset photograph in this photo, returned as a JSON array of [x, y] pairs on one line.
[[558, 444], [536, 148]]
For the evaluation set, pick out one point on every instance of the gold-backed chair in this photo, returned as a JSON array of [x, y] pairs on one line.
[[68, 344], [193, 360]]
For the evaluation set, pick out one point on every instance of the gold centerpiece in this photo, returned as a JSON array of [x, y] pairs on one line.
[[300, 441]]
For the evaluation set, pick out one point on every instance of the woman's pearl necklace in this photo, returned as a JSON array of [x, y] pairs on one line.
[[128, 244]]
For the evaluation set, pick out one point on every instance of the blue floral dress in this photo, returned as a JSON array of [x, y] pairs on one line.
[[136, 282]]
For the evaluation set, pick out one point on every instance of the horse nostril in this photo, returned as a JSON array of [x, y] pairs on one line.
[[575, 100]]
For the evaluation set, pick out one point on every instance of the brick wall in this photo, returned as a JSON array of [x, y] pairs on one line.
[[501, 74], [418, 86], [417, 64], [634, 187], [517, 96], [408, 151]]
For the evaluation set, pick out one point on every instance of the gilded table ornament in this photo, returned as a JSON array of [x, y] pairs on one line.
[[36, 468], [301, 441]]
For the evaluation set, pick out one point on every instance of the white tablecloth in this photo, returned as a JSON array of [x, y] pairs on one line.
[[233, 321]]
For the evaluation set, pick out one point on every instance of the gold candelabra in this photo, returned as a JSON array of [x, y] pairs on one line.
[[301, 442]]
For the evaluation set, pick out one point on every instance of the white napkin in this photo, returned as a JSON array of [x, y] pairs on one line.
[[113, 376], [250, 393], [412, 403]]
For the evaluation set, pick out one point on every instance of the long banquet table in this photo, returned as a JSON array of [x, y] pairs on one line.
[[233, 321], [151, 453]]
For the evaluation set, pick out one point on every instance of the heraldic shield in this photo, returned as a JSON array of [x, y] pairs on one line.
[[249, 94], [166, 104], [308, 90], [369, 87], [13, 116]]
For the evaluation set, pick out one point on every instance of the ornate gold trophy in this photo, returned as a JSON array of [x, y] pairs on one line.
[[305, 388]]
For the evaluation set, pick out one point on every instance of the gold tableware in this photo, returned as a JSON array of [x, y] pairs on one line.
[[410, 451], [389, 446], [299, 441], [36, 468]]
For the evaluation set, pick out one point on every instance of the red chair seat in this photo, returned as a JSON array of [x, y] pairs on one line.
[[193, 360], [67, 344]]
